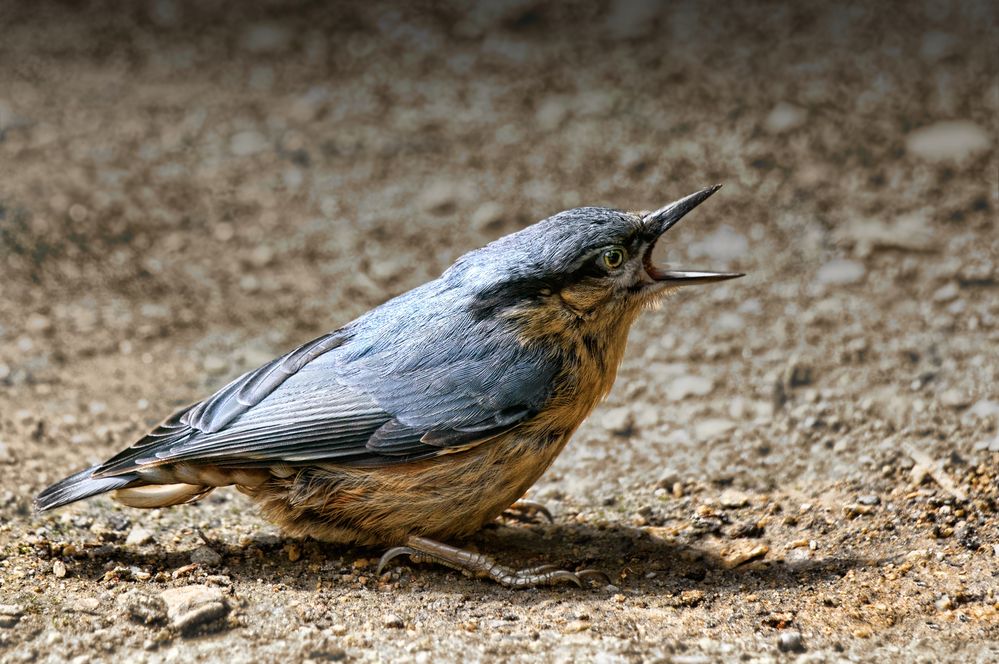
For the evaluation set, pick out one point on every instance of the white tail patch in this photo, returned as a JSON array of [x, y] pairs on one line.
[[162, 495]]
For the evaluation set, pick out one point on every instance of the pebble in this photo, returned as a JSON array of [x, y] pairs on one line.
[[206, 556], [619, 421], [59, 569], [954, 398], [785, 117], [189, 607], [944, 603], [723, 245], [311, 104], [86, 605], [138, 536], [38, 323], [487, 216], [440, 197], [869, 499], [946, 293], [732, 498], [790, 640], [247, 143], [392, 621], [265, 38], [142, 608], [841, 272], [10, 615], [214, 364], [688, 386], [913, 231], [981, 409], [712, 427], [954, 140]]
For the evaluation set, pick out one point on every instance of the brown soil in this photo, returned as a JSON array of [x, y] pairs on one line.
[[801, 461]]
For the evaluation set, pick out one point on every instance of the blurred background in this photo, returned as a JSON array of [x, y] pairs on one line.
[[189, 188]]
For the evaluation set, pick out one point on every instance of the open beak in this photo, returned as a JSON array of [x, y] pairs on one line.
[[660, 221]]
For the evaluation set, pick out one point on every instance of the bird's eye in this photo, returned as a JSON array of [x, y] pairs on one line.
[[613, 258]]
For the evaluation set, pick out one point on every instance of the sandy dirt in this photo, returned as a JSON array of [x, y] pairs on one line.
[[801, 464]]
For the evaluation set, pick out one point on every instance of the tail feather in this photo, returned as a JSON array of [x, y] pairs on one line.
[[79, 486]]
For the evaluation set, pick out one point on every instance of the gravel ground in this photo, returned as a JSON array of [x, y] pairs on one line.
[[801, 464]]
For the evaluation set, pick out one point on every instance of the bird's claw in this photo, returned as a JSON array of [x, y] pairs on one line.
[[527, 511], [421, 549]]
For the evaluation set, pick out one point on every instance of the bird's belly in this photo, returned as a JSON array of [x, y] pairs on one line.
[[447, 497]]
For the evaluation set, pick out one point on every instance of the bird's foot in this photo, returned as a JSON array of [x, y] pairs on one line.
[[423, 550], [527, 511]]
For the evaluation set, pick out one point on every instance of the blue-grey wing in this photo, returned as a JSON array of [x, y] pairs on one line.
[[313, 406]]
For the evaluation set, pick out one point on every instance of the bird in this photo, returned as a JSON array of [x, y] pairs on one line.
[[429, 416]]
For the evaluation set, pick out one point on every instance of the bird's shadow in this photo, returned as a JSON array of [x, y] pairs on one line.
[[634, 561]]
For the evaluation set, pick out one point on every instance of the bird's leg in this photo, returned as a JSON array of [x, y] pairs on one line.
[[423, 550], [527, 511]]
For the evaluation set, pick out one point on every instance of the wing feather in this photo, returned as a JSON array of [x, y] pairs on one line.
[[356, 407]]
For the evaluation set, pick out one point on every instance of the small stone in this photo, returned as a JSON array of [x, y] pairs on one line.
[[618, 421], [440, 197], [955, 140], [744, 555], [576, 626], [247, 143], [142, 608], [841, 272], [311, 104], [982, 409], [59, 569], [138, 536], [946, 293], [214, 364], [392, 621], [38, 323], [487, 216], [733, 499], [266, 38], [87, 605], [721, 246], [688, 386], [784, 117], [189, 607], [709, 428], [10, 615], [206, 557], [954, 398], [944, 603], [868, 499], [790, 640]]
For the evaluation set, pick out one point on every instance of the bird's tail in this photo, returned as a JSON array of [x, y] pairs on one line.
[[79, 486]]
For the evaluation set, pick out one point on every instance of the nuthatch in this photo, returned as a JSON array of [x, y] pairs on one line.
[[430, 415]]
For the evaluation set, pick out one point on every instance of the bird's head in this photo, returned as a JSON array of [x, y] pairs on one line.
[[586, 264]]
